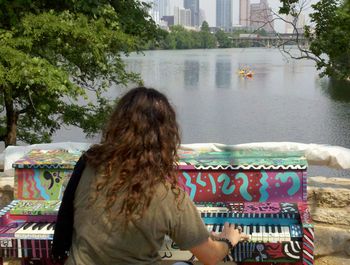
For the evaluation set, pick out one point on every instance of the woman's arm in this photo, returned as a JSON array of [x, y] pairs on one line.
[[211, 251]]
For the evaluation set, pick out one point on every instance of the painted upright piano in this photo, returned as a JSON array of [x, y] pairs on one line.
[[27, 224], [263, 192]]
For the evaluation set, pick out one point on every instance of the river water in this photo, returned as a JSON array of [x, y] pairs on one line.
[[285, 100]]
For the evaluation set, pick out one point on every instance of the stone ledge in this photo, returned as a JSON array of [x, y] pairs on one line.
[[332, 260], [329, 193], [332, 240], [339, 216]]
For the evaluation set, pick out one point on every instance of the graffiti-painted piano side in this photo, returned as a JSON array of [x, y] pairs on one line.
[[262, 253], [43, 174], [244, 176], [263, 191], [27, 224]]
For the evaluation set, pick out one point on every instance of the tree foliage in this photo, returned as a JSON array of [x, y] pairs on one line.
[[329, 35], [207, 39], [58, 57]]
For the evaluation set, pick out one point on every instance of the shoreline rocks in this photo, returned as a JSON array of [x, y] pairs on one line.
[[329, 202]]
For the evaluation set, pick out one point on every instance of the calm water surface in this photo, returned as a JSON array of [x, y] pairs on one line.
[[284, 101]]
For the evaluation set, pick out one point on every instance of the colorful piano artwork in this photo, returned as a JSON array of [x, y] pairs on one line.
[[263, 192], [27, 224]]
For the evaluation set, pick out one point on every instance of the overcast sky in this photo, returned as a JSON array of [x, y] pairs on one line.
[[209, 7]]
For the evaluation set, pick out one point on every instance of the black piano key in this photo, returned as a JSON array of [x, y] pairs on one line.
[[250, 229], [214, 227], [266, 229], [51, 226], [220, 228], [219, 214], [35, 226], [258, 229], [41, 225], [279, 229], [27, 225]]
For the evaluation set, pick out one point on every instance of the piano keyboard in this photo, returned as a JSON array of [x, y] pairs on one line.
[[266, 233], [36, 231], [275, 236], [31, 230]]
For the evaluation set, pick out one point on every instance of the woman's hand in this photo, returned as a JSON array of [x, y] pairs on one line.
[[231, 233]]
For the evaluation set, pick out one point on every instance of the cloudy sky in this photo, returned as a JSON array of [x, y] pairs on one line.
[[210, 10]]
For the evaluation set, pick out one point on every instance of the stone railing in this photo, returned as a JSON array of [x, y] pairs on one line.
[[329, 198], [329, 201]]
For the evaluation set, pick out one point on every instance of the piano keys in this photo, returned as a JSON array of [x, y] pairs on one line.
[[281, 233]]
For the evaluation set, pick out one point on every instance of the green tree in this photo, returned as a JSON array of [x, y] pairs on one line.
[[329, 36], [182, 37], [224, 40], [57, 58], [208, 40]]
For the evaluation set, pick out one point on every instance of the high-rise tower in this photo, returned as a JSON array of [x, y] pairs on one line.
[[224, 14], [261, 16], [193, 5], [244, 13], [163, 7]]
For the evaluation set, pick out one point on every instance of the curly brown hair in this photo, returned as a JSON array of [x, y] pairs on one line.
[[138, 150]]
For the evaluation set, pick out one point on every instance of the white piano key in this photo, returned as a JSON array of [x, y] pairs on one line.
[[286, 233]]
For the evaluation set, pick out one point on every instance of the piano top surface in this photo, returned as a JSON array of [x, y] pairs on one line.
[[242, 159], [234, 159], [59, 158]]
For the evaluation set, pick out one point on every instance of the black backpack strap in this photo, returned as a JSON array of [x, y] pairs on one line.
[[62, 239]]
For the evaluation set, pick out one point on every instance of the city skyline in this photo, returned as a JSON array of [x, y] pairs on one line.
[[207, 11]]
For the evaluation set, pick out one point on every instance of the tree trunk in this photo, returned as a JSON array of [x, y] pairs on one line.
[[11, 120]]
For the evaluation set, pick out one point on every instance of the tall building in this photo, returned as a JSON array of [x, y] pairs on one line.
[[261, 16], [193, 5], [202, 17], [224, 14], [162, 8], [244, 13], [182, 16]]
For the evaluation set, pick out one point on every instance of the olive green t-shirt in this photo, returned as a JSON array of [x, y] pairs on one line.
[[98, 241]]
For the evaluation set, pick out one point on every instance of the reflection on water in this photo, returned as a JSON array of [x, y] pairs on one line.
[[191, 73], [223, 73], [336, 90]]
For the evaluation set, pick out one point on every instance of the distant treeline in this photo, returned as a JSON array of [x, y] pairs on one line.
[[181, 38]]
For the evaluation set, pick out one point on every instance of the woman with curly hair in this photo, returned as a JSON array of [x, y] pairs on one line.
[[128, 197]]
